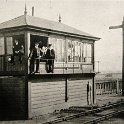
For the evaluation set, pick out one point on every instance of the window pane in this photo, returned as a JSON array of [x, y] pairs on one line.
[[82, 52], [60, 50], [77, 52], [70, 57], [9, 45], [2, 51], [59, 46], [63, 50], [87, 52]]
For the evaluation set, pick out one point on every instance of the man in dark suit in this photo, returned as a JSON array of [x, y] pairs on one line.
[[50, 56], [35, 55], [18, 51]]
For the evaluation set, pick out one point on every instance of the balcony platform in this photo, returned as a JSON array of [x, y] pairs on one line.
[[62, 76]]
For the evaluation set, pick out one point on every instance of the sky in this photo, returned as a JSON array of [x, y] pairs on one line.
[[91, 16]]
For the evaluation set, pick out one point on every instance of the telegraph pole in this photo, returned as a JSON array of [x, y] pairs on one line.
[[116, 27]]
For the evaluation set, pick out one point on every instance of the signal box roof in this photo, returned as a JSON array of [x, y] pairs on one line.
[[26, 20]]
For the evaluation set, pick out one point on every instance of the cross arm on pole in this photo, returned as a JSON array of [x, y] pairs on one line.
[[116, 27]]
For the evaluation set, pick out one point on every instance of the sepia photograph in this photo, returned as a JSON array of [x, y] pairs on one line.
[[61, 61]]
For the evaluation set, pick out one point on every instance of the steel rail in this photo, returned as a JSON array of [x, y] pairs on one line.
[[92, 111]]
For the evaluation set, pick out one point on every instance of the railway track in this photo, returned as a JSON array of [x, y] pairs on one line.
[[88, 114]]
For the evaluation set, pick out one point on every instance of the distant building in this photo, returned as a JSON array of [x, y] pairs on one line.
[[24, 95]]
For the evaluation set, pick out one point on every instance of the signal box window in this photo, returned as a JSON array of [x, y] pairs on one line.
[[59, 46], [10, 42], [79, 52], [87, 53], [2, 48], [9, 45]]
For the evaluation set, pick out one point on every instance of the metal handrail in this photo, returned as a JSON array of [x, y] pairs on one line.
[[8, 66], [70, 67]]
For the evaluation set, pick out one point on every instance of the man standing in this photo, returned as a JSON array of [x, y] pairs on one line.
[[50, 56], [18, 50], [35, 55]]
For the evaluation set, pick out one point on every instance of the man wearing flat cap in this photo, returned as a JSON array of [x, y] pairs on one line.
[[35, 56], [50, 56]]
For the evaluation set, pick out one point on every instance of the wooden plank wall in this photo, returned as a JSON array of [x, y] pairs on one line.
[[13, 98], [77, 92], [46, 97]]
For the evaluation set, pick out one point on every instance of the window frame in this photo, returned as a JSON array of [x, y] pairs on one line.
[[3, 47], [85, 52], [16, 36]]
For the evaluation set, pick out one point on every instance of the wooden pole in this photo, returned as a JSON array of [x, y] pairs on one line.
[[116, 27], [123, 58]]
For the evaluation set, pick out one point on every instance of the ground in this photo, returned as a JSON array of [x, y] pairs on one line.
[[100, 100]]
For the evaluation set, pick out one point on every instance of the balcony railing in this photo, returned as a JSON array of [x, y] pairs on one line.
[[66, 68], [7, 67], [16, 68]]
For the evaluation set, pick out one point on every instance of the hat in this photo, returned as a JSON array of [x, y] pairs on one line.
[[36, 43]]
